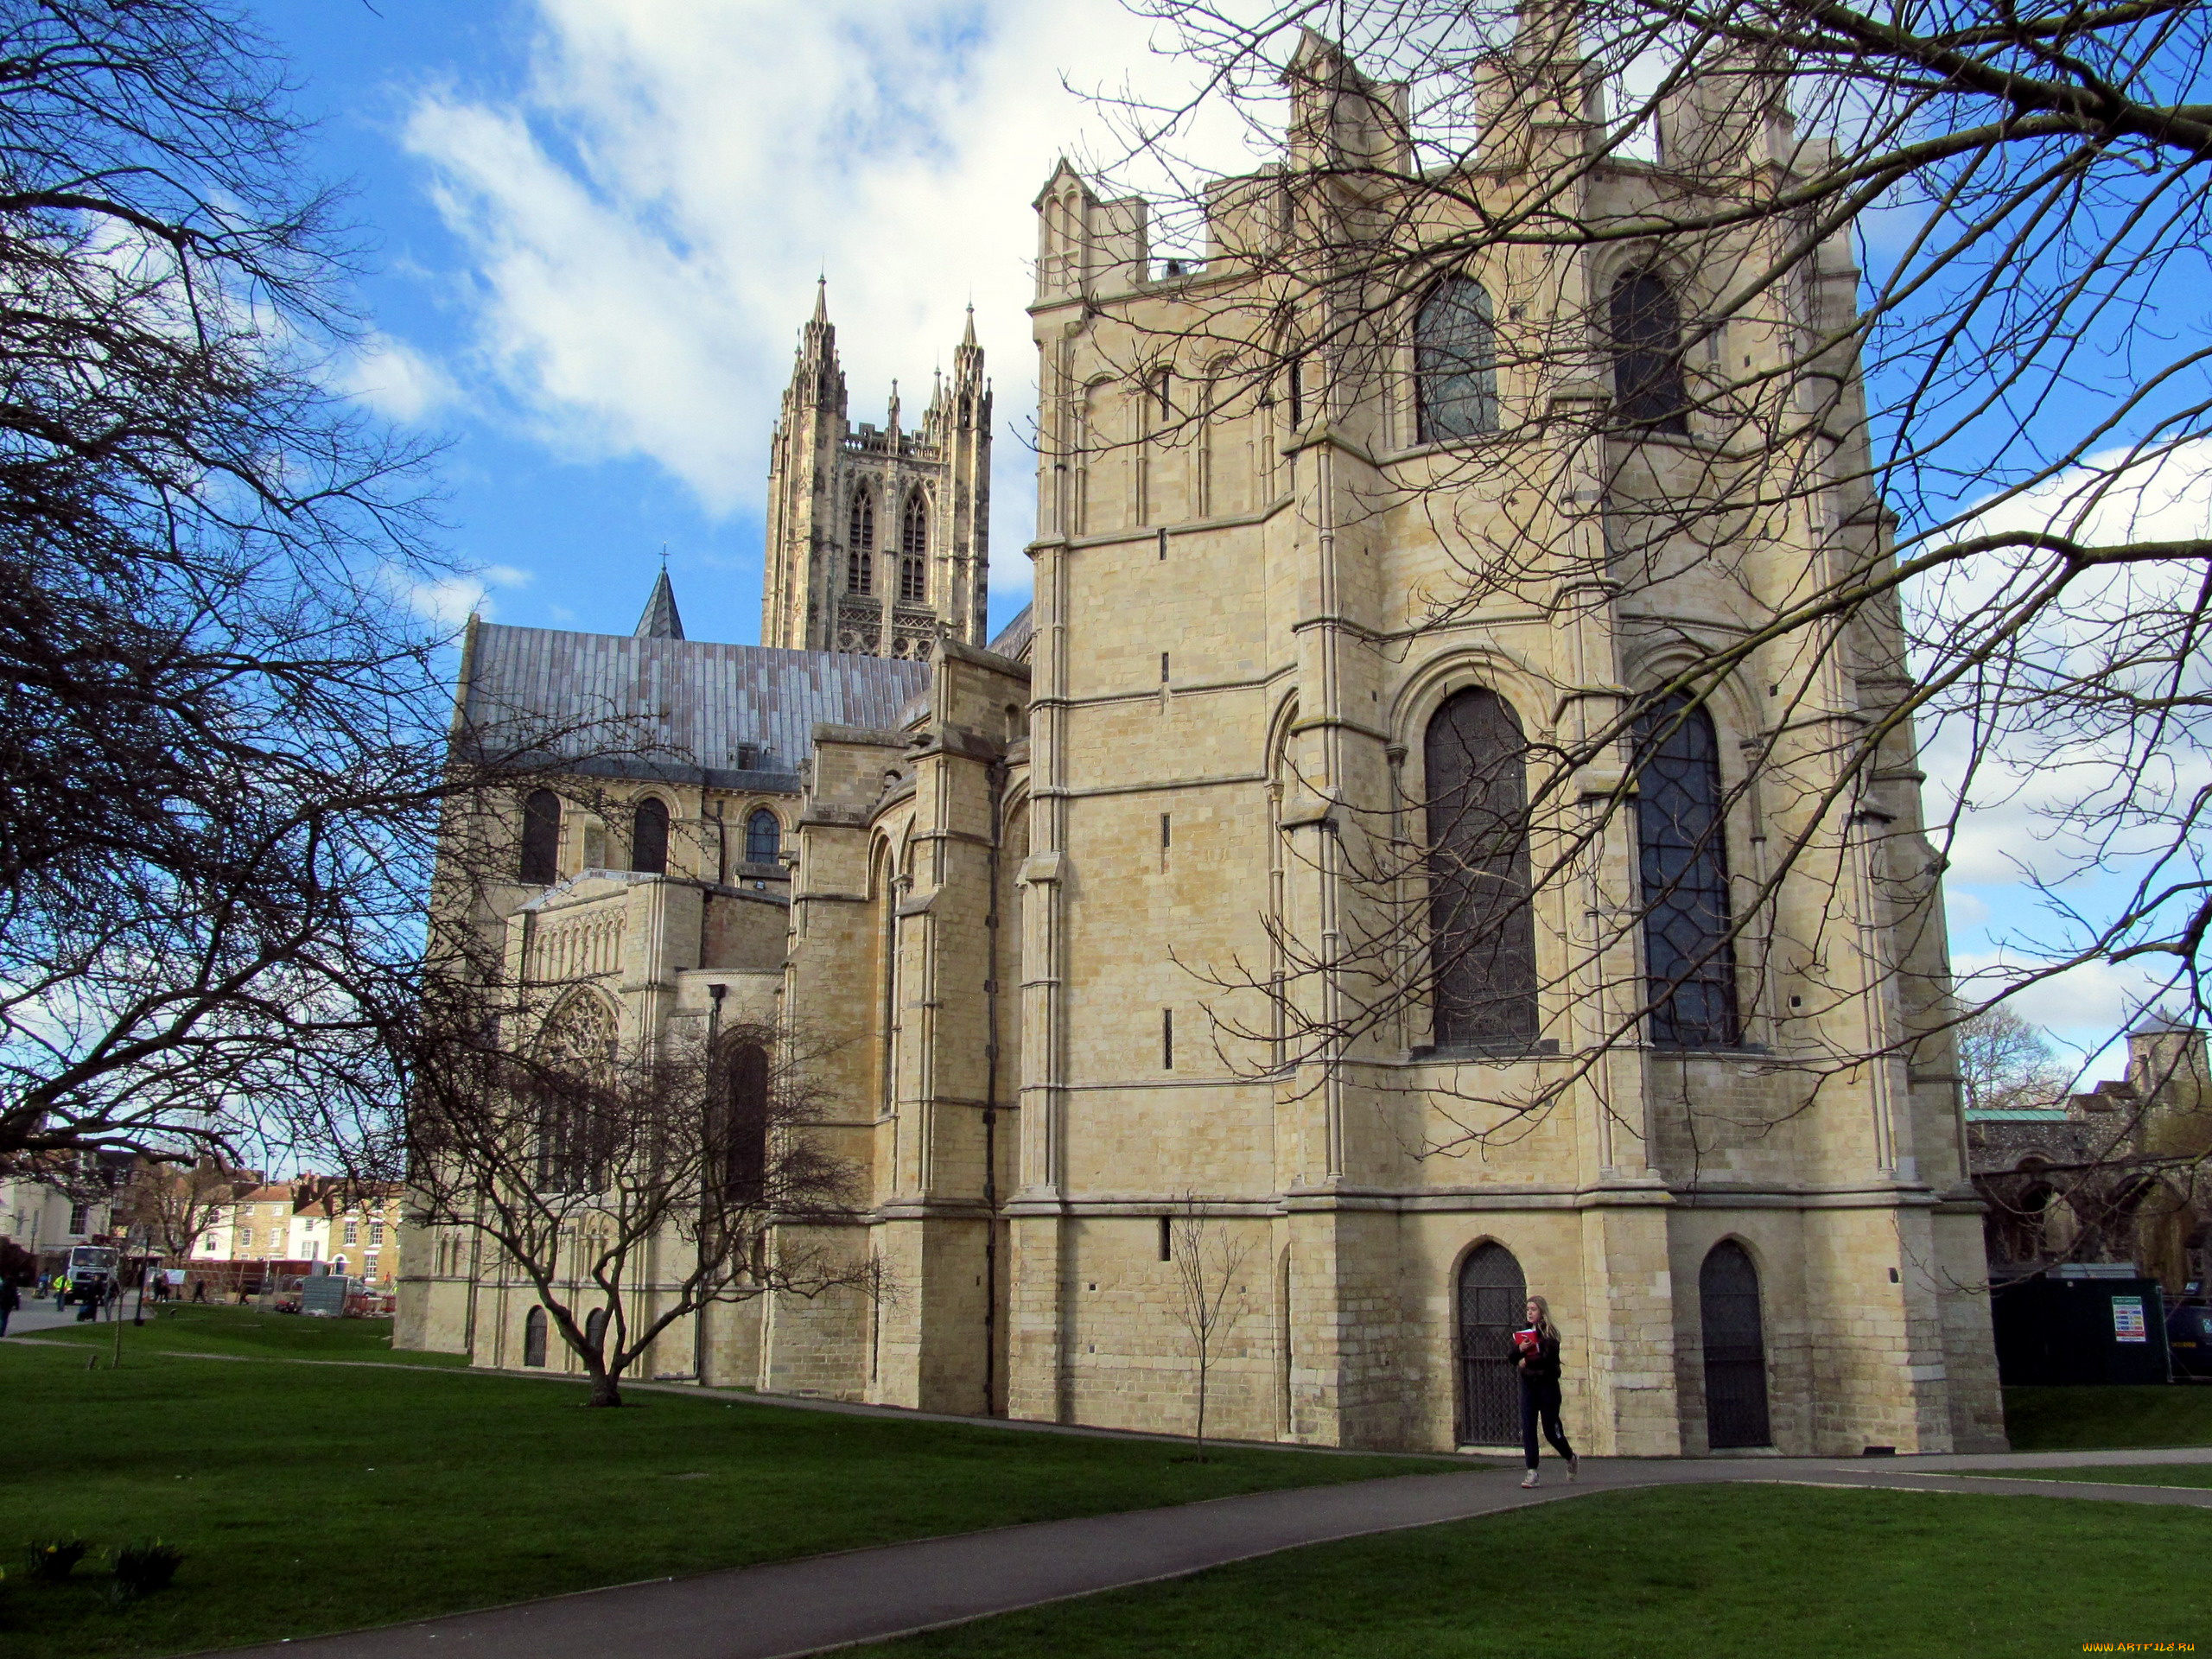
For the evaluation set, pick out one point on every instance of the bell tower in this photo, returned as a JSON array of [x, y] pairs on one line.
[[877, 541]]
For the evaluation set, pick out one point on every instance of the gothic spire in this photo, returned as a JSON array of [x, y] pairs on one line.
[[660, 621]]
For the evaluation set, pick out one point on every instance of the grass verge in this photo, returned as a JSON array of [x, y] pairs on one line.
[[2118, 1474], [247, 1333], [2105, 1419], [1684, 1572], [309, 1498]]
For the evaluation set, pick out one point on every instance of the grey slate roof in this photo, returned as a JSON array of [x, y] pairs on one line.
[[1013, 641], [672, 708], [661, 619]]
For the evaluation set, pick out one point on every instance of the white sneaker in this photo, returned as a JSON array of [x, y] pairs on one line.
[[1573, 1466], [1528, 1479]]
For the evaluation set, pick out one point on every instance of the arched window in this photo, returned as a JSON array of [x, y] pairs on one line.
[[1647, 340], [914, 550], [541, 836], [1493, 1295], [764, 837], [594, 1328], [1482, 934], [1682, 859], [574, 1126], [1455, 362], [860, 544], [1735, 1349], [533, 1337], [648, 837], [745, 1127]]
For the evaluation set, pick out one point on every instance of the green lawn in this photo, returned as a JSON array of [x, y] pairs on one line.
[[319, 1498], [2092, 1420], [1695, 1573], [2121, 1474], [207, 1329]]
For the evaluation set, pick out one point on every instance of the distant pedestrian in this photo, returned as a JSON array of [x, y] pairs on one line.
[[1536, 1354], [61, 1291], [10, 1299], [199, 1290]]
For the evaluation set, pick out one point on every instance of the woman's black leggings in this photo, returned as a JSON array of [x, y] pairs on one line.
[[1540, 1400]]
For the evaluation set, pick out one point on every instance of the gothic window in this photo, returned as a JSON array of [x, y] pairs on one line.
[[914, 550], [533, 1338], [1647, 342], [745, 1125], [1482, 933], [764, 837], [541, 836], [578, 1051], [648, 837], [860, 544], [594, 1326], [1455, 362], [1682, 860]]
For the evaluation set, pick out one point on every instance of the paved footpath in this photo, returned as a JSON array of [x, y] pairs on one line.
[[794, 1608]]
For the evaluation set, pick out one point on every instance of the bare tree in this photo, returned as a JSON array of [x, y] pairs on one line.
[[221, 725], [1889, 290], [631, 1191], [1207, 1262], [172, 1204], [2005, 1063]]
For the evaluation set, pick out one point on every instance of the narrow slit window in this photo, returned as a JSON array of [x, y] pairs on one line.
[[1167, 1039], [1163, 547], [1163, 668], [1166, 1238]]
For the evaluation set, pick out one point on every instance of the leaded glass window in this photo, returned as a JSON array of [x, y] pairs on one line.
[[541, 836], [1482, 933], [914, 551], [1455, 362], [1689, 959], [1647, 341]]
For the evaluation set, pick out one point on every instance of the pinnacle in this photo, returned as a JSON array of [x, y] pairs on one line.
[[821, 298]]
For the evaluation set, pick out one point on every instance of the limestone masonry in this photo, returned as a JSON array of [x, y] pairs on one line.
[[1000, 876]]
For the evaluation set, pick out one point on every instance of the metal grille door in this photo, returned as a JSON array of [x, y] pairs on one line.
[[1493, 1295], [1735, 1350]]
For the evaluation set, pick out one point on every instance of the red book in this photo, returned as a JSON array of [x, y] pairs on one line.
[[1529, 1342]]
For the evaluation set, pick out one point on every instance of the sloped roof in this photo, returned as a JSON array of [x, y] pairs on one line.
[[1013, 641], [661, 619], [675, 709]]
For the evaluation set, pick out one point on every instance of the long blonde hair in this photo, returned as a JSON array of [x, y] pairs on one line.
[[1544, 1326]]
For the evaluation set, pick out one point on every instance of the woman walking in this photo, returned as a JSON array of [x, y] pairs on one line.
[[1536, 1354]]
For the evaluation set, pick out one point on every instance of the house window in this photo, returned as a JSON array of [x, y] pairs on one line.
[[1647, 342], [648, 837], [1482, 933], [764, 837], [375, 1232], [81, 1218], [541, 836], [1455, 362], [245, 1235], [352, 1232]]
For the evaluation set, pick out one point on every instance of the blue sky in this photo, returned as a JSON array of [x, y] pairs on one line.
[[596, 226]]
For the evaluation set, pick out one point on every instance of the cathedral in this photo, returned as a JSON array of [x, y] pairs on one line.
[[1034, 884]]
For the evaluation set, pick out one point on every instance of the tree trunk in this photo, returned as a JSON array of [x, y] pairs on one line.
[[606, 1388]]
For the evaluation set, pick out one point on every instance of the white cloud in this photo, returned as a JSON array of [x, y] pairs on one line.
[[395, 379], [647, 215], [2082, 1007], [451, 599]]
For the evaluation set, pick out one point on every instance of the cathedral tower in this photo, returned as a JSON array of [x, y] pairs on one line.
[[877, 541]]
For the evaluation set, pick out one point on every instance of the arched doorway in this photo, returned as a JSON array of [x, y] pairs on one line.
[[1735, 1349], [1492, 1295]]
